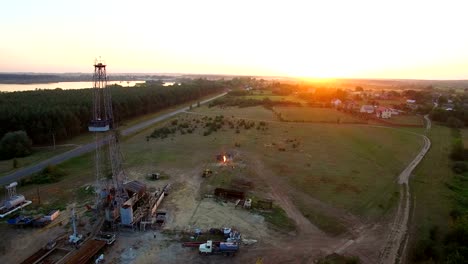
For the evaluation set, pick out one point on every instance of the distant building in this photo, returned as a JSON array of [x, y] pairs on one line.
[[411, 101], [367, 109], [383, 112], [394, 111], [448, 107], [350, 106], [336, 102]]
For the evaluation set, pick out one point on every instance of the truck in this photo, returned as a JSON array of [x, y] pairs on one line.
[[109, 238], [212, 248]]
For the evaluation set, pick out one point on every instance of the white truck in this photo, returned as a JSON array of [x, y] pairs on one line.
[[225, 248]]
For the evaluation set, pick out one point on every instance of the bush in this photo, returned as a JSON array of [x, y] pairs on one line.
[[425, 250], [15, 144], [454, 122], [458, 151], [459, 167], [49, 174]]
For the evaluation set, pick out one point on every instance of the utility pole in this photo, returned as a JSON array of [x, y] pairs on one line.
[[53, 138], [38, 196]]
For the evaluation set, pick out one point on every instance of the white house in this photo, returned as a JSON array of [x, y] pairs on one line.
[[383, 112], [394, 111], [367, 109], [410, 101]]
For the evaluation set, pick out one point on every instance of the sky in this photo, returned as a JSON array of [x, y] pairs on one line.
[[407, 39]]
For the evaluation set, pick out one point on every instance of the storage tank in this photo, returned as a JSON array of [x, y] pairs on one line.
[[11, 185], [52, 215], [228, 246], [14, 201]]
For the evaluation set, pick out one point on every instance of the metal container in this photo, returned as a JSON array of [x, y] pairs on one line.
[[52, 215], [14, 201]]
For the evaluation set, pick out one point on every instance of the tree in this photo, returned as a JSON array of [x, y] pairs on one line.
[[15, 144], [442, 100], [358, 89], [454, 122]]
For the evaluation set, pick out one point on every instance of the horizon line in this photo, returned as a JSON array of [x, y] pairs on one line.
[[240, 75]]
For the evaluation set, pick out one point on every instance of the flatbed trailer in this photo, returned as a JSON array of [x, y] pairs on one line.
[[197, 244], [38, 256], [87, 250]]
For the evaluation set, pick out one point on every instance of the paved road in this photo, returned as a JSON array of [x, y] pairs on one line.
[[17, 175]]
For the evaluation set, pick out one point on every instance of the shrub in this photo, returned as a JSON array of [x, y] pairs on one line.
[[458, 151], [454, 122], [425, 250], [49, 174], [459, 167], [15, 144]]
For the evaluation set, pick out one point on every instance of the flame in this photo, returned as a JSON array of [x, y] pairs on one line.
[[224, 158]]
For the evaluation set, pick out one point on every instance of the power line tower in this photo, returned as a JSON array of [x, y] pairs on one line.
[[111, 192]]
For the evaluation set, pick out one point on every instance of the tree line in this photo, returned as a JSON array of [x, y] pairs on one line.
[[66, 113]]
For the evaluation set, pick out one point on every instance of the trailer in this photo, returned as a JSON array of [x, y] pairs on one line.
[[86, 252], [224, 248], [109, 238], [21, 221]]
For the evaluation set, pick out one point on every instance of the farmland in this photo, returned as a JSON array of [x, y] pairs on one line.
[[335, 176], [432, 198], [317, 115], [343, 165], [406, 120]]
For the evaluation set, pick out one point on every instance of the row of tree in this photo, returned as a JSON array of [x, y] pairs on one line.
[[66, 113]]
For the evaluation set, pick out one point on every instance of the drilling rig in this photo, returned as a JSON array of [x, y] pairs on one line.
[[109, 173]]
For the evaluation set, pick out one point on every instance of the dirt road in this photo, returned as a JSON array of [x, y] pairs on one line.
[[17, 175], [396, 241]]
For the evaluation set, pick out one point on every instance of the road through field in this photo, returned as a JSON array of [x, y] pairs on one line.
[[395, 245], [17, 175]]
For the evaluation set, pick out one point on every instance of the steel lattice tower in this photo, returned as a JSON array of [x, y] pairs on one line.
[[111, 192]]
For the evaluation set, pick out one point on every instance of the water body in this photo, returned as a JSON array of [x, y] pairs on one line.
[[62, 85]]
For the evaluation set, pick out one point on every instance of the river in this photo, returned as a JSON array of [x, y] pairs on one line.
[[63, 85]]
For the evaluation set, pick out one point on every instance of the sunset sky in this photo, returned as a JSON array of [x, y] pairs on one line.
[[358, 39]]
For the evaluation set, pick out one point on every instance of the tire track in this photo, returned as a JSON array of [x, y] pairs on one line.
[[395, 246]]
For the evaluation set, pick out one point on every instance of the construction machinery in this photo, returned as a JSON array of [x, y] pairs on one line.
[[110, 184]]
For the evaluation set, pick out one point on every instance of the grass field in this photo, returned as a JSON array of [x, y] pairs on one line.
[[432, 202], [276, 98], [349, 167], [319, 115], [464, 134], [39, 154], [407, 120], [257, 112]]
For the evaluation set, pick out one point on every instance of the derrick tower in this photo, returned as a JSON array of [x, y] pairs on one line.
[[108, 160]]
